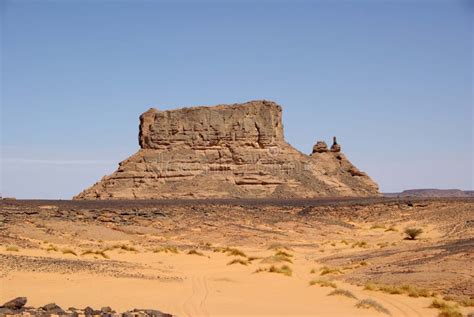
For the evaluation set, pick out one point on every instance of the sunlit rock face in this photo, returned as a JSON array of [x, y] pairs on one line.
[[227, 151]]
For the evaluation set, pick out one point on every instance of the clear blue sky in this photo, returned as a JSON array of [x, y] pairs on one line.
[[392, 79]]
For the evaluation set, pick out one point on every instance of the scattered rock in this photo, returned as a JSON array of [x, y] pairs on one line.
[[53, 309], [90, 311], [145, 313], [106, 309], [16, 307], [15, 304]]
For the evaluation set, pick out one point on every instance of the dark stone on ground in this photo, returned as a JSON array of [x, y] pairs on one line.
[[15, 304], [52, 308]]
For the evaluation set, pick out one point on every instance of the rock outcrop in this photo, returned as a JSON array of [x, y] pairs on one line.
[[320, 147], [335, 147], [227, 151]]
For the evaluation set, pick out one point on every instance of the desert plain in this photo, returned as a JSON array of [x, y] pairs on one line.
[[299, 257]]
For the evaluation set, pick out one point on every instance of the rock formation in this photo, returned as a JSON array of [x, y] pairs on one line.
[[320, 147], [335, 147], [227, 151]]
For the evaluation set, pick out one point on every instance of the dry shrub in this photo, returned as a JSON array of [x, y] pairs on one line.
[[377, 226], [195, 252], [322, 283], [359, 244], [390, 289], [230, 251], [412, 233], [12, 248], [276, 259], [92, 252], [370, 287], [446, 309], [166, 249], [277, 247], [284, 269], [235, 252], [409, 290], [342, 292], [238, 261], [370, 303], [328, 270], [52, 248], [413, 291], [123, 247], [283, 254], [69, 251]]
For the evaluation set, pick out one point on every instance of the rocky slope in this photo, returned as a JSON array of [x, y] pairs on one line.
[[227, 151]]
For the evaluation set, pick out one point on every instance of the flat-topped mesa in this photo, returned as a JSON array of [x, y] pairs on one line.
[[255, 123], [227, 151]]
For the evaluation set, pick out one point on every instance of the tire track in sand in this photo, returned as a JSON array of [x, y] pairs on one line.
[[195, 304]]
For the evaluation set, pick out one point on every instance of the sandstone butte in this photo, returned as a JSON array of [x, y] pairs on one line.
[[227, 151]]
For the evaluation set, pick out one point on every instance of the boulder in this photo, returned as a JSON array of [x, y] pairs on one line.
[[52, 308], [15, 304], [106, 310], [89, 311]]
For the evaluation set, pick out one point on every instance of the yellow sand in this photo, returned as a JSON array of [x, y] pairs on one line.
[[202, 286]]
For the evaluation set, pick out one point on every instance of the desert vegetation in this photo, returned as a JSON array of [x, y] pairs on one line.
[[412, 233], [95, 252], [372, 304], [122, 247], [195, 252], [284, 269], [238, 261], [69, 251], [301, 274], [322, 283], [445, 309], [12, 248], [342, 292], [406, 289], [166, 249], [325, 270]]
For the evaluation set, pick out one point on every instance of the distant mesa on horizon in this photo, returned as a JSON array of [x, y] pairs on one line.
[[228, 151], [432, 192]]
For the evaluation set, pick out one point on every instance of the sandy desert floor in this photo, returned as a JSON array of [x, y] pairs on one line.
[[295, 258]]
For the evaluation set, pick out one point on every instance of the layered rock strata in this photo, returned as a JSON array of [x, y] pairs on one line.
[[227, 151]]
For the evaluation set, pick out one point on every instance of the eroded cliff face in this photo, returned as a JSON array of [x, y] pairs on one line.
[[227, 151], [254, 123]]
